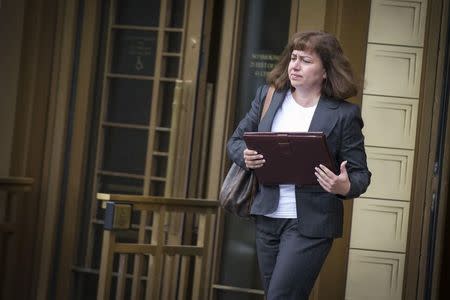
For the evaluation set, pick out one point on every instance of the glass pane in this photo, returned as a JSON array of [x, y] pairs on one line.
[[166, 100], [159, 166], [264, 36], [98, 237], [127, 236], [129, 101], [239, 262], [85, 286], [157, 188], [119, 185], [169, 67], [173, 42], [176, 14], [134, 52], [125, 150], [162, 141], [138, 12]]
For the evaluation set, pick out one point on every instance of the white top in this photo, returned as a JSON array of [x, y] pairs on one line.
[[291, 117]]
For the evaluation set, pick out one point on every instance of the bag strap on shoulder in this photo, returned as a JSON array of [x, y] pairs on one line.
[[268, 100]]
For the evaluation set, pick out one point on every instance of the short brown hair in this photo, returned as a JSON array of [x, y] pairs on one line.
[[340, 80]]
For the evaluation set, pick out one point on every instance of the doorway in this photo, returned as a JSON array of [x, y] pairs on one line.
[[147, 86], [244, 61], [260, 39]]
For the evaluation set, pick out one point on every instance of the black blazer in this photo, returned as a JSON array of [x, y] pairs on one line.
[[320, 214]]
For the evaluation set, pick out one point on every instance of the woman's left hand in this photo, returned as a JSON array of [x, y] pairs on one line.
[[332, 183]]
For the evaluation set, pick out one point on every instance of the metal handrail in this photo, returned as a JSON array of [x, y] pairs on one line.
[[170, 201], [158, 248]]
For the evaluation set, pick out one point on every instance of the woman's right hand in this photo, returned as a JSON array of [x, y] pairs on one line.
[[252, 159]]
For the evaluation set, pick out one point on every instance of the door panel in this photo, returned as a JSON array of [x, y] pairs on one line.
[[143, 112], [236, 273], [259, 41]]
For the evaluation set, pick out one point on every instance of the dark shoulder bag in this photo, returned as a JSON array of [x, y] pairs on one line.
[[239, 187]]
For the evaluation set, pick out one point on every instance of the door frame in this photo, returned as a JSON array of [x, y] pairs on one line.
[[72, 86], [425, 183], [335, 16]]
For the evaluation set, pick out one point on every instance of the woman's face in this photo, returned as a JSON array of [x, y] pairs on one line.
[[305, 70]]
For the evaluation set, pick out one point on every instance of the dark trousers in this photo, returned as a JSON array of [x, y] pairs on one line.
[[289, 262]]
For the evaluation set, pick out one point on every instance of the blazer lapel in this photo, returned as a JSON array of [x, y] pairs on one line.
[[266, 123], [324, 119], [325, 116]]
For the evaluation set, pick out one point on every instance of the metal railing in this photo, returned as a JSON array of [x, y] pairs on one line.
[[118, 214]]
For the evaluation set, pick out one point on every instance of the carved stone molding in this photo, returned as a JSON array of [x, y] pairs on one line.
[[398, 22]]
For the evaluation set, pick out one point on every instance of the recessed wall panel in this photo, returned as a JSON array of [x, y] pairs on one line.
[[391, 173], [398, 22], [374, 275], [379, 224], [390, 121], [393, 71]]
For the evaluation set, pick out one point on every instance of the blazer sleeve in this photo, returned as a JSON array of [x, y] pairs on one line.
[[352, 150], [236, 144]]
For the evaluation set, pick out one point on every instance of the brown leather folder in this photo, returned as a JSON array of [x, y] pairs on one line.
[[290, 156]]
